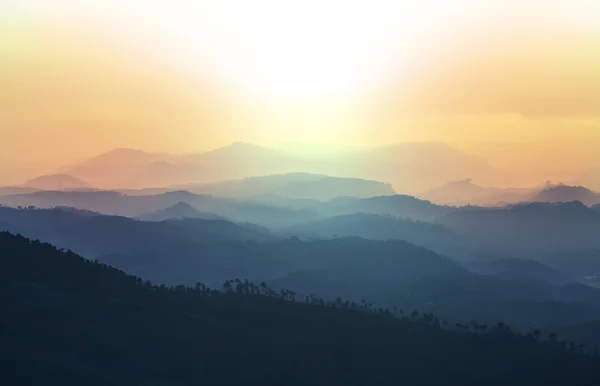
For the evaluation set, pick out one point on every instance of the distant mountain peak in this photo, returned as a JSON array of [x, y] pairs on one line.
[[563, 187], [242, 144], [567, 193], [180, 193], [183, 206], [181, 210], [466, 181], [56, 182]]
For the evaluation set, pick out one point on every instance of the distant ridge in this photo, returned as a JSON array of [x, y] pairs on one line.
[[409, 167], [181, 210], [377, 227], [60, 182], [567, 193], [465, 192], [527, 227], [295, 186], [12, 190]]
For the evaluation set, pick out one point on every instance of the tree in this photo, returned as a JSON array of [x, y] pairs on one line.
[[553, 338]]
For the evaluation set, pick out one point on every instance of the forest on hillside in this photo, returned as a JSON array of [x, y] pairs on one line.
[[73, 321]]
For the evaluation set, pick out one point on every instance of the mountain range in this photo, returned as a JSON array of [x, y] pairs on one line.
[[321, 255], [57, 182], [114, 203], [410, 167], [179, 211], [299, 186], [465, 192], [378, 227], [71, 321], [527, 228], [566, 193]]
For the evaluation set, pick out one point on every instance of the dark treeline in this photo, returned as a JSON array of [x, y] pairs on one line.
[[71, 321]]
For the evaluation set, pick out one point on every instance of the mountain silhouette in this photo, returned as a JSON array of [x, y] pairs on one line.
[[168, 251], [135, 169], [295, 186], [566, 193], [410, 167], [115, 203], [71, 321], [12, 190], [417, 167], [377, 227], [465, 192], [521, 269], [419, 279], [583, 264], [527, 228], [114, 169], [394, 205], [181, 210], [56, 182]]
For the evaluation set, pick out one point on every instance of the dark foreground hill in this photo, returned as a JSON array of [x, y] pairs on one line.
[[68, 321], [174, 251]]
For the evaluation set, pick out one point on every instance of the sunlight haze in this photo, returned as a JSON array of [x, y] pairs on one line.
[[83, 77]]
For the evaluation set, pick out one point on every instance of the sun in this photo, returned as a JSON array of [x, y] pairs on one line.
[[304, 49], [279, 49]]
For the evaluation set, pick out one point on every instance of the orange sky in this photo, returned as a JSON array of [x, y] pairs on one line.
[[515, 81]]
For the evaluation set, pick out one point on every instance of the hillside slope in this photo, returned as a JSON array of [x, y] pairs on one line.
[[69, 321]]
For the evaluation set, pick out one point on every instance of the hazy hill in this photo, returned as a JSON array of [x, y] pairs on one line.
[[86, 231], [376, 265], [99, 234], [439, 286], [69, 321], [395, 205], [582, 264], [527, 228], [389, 273], [56, 182], [377, 227], [410, 167], [168, 252], [181, 210], [295, 186], [566, 193], [521, 269], [115, 203], [163, 174], [465, 192], [416, 167], [191, 249], [12, 190], [134, 169], [239, 160], [116, 168]]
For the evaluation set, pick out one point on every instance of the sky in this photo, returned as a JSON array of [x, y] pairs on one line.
[[517, 82]]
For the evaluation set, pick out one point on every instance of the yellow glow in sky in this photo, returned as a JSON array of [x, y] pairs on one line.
[[277, 48], [85, 76]]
